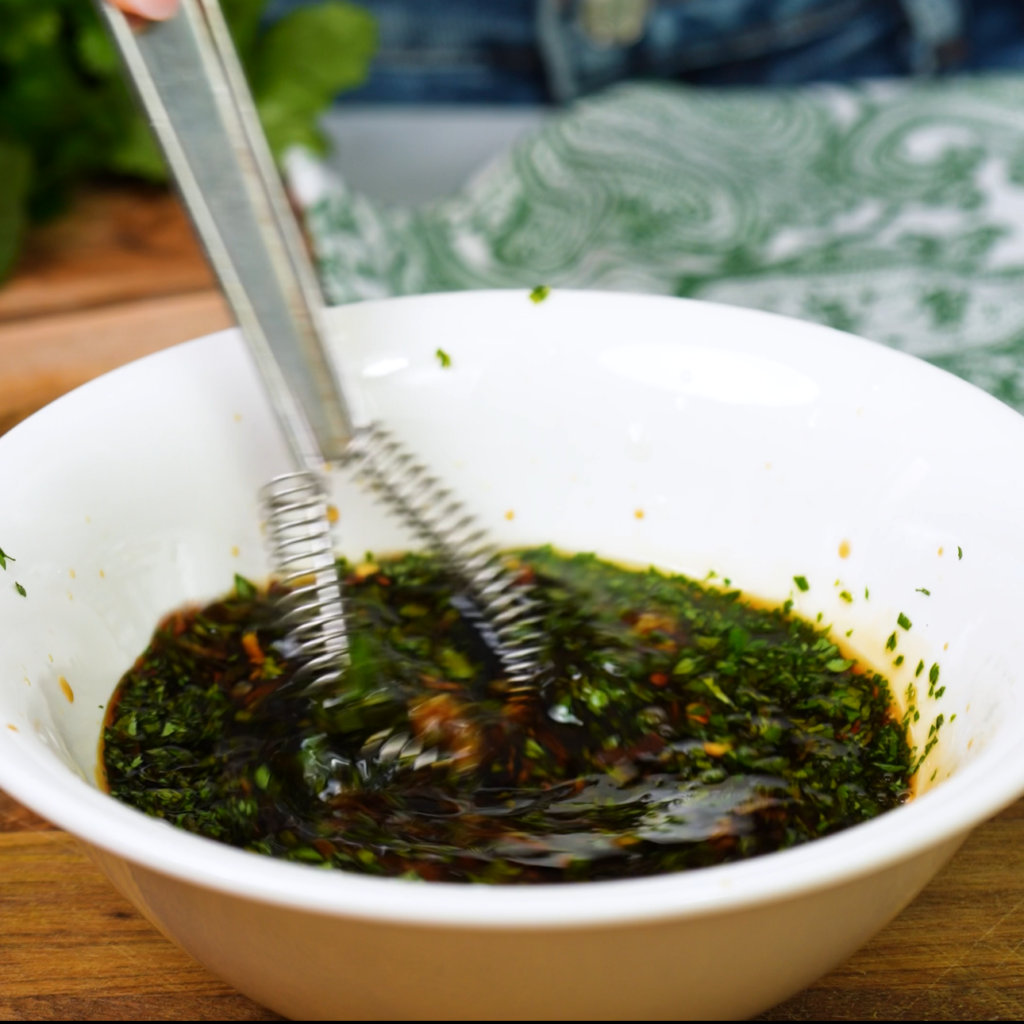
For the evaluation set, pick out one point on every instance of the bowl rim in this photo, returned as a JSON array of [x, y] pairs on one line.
[[944, 815]]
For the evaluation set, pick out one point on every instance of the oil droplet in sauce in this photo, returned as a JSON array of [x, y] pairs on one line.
[[13, 728], [639, 513], [234, 551], [71, 573], [940, 552], [332, 514], [66, 689], [844, 549], [510, 514], [103, 575]]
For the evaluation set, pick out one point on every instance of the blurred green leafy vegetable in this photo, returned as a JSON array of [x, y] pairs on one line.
[[66, 114]]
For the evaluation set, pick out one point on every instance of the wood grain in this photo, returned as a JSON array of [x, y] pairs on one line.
[[118, 279], [117, 244], [72, 947], [45, 357], [956, 953], [122, 277]]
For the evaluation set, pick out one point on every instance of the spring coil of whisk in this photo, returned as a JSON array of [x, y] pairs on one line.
[[302, 552], [503, 604]]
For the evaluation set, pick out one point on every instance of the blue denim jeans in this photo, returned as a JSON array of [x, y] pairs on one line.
[[536, 51]]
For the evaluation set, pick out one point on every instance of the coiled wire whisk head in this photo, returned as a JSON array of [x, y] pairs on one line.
[[504, 612], [299, 537]]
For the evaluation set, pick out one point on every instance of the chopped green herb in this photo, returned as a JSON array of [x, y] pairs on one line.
[[923, 590], [801, 582], [5, 558], [20, 589], [890, 644], [655, 686], [443, 358], [898, 661], [540, 293], [708, 682], [903, 622], [456, 664], [867, 593], [920, 667], [846, 596], [959, 552], [838, 665]]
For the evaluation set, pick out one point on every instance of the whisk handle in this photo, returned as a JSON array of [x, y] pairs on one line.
[[188, 78]]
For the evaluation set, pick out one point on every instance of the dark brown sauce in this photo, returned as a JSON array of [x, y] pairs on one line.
[[675, 726]]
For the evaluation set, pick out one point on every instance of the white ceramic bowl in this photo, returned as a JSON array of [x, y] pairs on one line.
[[691, 436]]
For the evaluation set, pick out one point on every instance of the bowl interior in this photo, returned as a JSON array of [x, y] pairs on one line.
[[690, 436]]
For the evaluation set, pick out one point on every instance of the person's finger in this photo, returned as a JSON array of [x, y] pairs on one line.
[[152, 10]]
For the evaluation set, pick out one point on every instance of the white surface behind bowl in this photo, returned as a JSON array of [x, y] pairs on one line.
[[687, 435]]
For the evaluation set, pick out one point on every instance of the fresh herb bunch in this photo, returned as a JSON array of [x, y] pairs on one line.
[[67, 115]]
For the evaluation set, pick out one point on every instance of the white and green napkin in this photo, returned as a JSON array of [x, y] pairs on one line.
[[895, 211]]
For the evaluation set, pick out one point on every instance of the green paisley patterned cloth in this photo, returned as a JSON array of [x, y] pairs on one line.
[[895, 211]]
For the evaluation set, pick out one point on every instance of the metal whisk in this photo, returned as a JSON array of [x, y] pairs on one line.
[[503, 608], [190, 82], [301, 549]]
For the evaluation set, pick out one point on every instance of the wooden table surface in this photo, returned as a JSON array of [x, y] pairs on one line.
[[120, 277]]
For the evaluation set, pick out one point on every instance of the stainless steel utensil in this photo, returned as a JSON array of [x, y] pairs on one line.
[[190, 82]]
